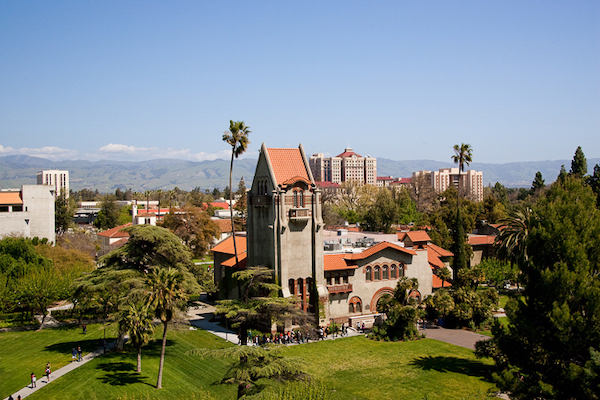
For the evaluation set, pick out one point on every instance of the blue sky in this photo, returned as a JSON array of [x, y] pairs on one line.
[[403, 80]]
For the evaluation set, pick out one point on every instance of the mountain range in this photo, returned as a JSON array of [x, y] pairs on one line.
[[106, 175]]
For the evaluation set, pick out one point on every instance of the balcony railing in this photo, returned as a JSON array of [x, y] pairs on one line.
[[345, 288], [300, 213], [258, 200]]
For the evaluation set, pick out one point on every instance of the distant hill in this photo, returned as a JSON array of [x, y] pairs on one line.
[[107, 176]]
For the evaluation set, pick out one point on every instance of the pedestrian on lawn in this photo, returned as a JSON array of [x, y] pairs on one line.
[[73, 354], [48, 372], [33, 379], [79, 353]]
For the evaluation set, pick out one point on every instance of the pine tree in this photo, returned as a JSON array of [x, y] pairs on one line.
[[579, 164], [537, 184]]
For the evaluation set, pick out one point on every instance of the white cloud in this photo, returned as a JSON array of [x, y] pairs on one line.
[[6, 150], [48, 152]]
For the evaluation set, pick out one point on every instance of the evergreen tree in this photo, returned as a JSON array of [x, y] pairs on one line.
[[64, 212], [562, 175], [108, 216], [549, 348], [579, 164], [537, 184], [594, 182]]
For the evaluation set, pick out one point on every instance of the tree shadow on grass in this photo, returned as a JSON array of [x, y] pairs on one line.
[[453, 364], [120, 374], [67, 347]]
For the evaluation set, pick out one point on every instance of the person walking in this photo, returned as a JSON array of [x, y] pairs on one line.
[[48, 372], [73, 354], [79, 353], [33, 379]]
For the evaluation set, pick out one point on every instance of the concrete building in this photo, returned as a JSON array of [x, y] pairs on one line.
[[469, 183], [59, 180], [347, 166], [28, 212]]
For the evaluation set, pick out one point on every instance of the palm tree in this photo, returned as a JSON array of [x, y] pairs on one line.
[[512, 239], [463, 155], [166, 296], [444, 274], [237, 138], [137, 322]]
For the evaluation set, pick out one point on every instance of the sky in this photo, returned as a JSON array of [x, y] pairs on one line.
[[402, 80]]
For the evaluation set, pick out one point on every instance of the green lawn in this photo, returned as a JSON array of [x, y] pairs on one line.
[[359, 368], [356, 368]]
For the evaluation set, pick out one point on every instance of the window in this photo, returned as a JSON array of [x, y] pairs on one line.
[[377, 274], [298, 198], [328, 278], [337, 278], [3, 208], [17, 208], [345, 277], [393, 272], [385, 272], [292, 285], [369, 276]]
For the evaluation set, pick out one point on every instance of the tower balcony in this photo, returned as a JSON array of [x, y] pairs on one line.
[[260, 201], [343, 288], [300, 214]]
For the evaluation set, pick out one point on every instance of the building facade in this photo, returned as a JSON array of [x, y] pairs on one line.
[[285, 225], [469, 183], [347, 166], [59, 180], [28, 212]]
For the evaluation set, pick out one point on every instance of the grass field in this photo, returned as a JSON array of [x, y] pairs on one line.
[[356, 368]]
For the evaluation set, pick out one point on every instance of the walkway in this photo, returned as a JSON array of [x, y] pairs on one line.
[[42, 380], [457, 337]]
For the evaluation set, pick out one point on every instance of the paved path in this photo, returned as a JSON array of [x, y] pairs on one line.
[[457, 337], [42, 380]]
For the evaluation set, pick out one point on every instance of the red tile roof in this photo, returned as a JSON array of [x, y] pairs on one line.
[[348, 154], [116, 232], [437, 282], [222, 204], [242, 259], [440, 251], [478, 240], [224, 225], [385, 178], [287, 164], [434, 260], [418, 236], [377, 248], [405, 180], [337, 262], [10, 198], [226, 246]]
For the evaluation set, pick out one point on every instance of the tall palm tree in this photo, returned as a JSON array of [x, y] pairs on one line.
[[463, 155], [237, 138], [166, 296], [137, 322]]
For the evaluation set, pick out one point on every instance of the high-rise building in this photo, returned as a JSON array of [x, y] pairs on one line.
[[58, 179], [469, 183], [345, 167]]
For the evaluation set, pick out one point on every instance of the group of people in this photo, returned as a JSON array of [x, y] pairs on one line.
[[47, 372], [76, 354], [297, 336]]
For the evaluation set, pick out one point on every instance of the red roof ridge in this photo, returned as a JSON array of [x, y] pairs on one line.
[[116, 231], [377, 248]]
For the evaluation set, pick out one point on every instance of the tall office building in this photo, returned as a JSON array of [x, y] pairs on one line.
[[469, 183], [58, 179], [345, 167]]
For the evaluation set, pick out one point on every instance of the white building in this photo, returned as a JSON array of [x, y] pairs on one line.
[[59, 180], [469, 183], [346, 167], [28, 212]]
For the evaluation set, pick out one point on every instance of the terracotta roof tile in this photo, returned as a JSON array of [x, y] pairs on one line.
[[440, 251], [434, 260], [437, 282], [224, 225], [418, 236], [336, 262], [287, 164], [222, 204], [478, 240], [116, 232], [226, 246], [348, 154], [242, 258], [10, 198]]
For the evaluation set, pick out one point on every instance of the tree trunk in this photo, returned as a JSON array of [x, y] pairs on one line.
[[162, 357], [139, 360]]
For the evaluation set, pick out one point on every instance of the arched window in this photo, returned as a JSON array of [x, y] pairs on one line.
[[385, 272], [351, 308], [369, 276], [298, 198], [358, 307], [377, 274], [393, 272], [400, 270], [292, 285]]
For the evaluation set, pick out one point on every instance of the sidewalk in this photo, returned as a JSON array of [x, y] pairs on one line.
[[457, 337], [42, 380]]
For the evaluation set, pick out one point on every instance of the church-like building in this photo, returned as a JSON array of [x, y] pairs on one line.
[[285, 233]]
